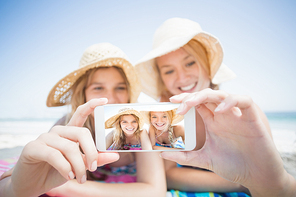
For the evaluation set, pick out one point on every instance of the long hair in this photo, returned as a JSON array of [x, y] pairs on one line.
[[196, 49], [119, 137], [170, 127]]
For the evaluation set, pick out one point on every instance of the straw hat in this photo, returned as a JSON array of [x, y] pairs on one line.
[[172, 35], [124, 111], [176, 118], [98, 55]]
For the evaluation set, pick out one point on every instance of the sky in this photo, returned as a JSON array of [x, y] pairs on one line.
[[42, 41]]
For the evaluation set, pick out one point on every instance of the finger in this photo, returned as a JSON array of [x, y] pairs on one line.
[[205, 113], [36, 151], [211, 106], [245, 105], [202, 97], [83, 111], [178, 98], [105, 158], [70, 150], [84, 137]]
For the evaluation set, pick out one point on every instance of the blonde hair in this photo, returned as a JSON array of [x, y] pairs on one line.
[[196, 49], [119, 137], [170, 127], [78, 94]]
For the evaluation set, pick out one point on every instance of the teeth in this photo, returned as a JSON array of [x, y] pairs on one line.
[[129, 129], [160, 125], [187, 87]]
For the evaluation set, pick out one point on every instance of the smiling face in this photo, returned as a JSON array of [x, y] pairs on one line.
[[159, 120], [180, 72], [107, 83], [128, 124]]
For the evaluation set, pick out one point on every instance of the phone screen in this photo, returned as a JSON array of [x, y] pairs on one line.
[[144, 127]]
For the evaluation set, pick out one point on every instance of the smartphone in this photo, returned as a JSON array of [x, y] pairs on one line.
[[144, 127]]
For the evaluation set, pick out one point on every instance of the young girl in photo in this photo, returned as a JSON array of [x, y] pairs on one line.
[[163, 132], [128, 133]]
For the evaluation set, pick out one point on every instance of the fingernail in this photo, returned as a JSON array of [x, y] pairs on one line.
[[83, 179], [71, 175], [180, 108], [94, 166], [104, 99], [160, 155], [219, 107], [174, 97]]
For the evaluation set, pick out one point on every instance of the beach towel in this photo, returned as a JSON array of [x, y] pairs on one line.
[[7, 164], [176, 193], [130, 176]]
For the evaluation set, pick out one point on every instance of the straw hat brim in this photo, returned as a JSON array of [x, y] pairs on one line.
[[60, 94], [146, 67], [175, 119], [110, 122]]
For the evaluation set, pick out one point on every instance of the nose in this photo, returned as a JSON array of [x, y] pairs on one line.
[[182, 75], [158, 119], [111, 96]]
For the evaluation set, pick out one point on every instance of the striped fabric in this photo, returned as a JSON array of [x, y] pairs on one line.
[[176, 193]]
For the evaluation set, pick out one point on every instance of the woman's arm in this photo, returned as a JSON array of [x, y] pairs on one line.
[[150, 182], [238, 145], [55, 158], [145, 141], [198, 180]]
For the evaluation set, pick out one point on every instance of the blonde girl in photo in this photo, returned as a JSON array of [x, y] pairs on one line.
[[163, 131], [128, 133]]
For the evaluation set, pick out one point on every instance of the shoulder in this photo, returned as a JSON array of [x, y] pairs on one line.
[[178, 129]]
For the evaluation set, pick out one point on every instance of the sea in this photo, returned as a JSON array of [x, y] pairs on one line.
[[18, 132]]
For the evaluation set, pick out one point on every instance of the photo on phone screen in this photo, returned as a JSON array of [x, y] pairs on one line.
[[144, 127]]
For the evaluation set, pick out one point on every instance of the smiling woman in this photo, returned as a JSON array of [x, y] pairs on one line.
[[186, 59], [128, 133]]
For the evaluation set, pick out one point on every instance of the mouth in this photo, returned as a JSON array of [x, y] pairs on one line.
[[188, 88], [160, 124], [129, 129]]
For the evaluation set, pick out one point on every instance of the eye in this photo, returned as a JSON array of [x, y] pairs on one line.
[[190, 64], [121, 88], [134, 121], [164, 116], [169, 72], [98, 88]]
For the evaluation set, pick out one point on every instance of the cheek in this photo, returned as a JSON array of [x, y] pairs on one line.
[[168, 81]]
